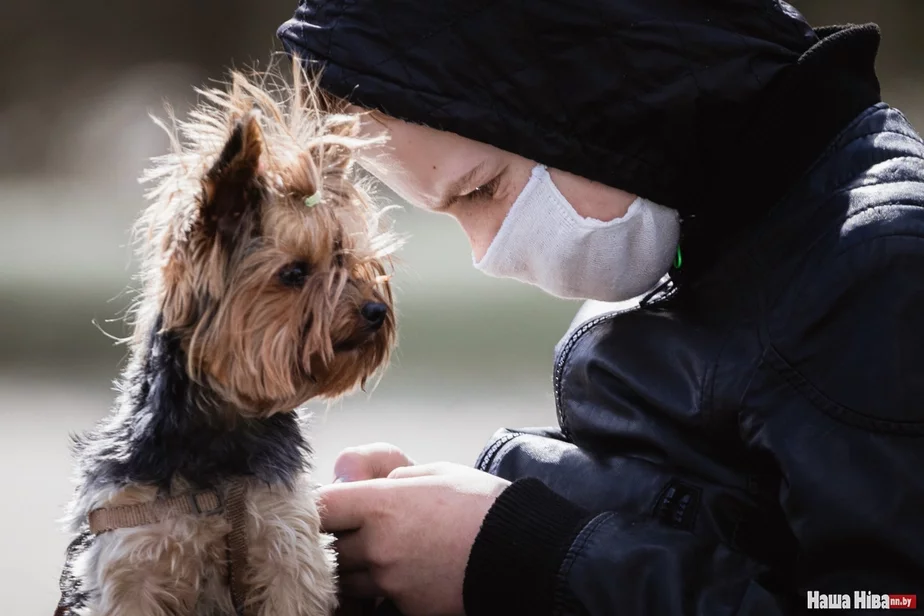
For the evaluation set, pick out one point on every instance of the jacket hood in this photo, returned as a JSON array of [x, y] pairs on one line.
[[656, 97], [618, 91]]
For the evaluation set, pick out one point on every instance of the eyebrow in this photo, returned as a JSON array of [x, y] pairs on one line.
[[455, 188]]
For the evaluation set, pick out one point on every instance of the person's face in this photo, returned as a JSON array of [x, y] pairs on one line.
[[473, 182]]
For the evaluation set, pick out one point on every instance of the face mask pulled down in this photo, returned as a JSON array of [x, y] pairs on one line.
[[543, 241]]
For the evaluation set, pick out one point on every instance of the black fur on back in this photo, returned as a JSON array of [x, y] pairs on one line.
[[176, 428], [73, 597]]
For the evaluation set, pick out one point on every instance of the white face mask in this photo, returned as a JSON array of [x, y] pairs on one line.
[[544, 242]]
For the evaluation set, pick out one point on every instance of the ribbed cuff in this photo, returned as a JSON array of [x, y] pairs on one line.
[[513, 566]]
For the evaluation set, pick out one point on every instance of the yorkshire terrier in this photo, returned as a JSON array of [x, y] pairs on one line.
[[264, 284]]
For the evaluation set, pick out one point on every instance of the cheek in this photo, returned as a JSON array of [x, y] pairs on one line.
[[481, 222], [591, 199]]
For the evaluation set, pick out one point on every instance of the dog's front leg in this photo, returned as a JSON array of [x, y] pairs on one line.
[[163, 569], [291, 565]]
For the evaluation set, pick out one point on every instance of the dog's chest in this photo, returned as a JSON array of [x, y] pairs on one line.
[[180, 565]]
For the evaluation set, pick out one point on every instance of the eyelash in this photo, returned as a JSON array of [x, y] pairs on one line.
[[485, 191]]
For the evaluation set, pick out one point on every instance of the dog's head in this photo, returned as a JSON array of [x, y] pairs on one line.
[[264, 253]]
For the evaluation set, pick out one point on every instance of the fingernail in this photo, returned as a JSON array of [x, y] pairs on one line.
[[340, 480]]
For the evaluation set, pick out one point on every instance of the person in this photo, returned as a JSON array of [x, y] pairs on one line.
[[746, 439]]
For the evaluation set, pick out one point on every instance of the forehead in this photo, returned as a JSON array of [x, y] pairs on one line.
[[312, 233], [419, 162]]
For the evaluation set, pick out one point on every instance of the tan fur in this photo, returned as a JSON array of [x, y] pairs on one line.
[[296, 144], [226, 220], [177, 567]]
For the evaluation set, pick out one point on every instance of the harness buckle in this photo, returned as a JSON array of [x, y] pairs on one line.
[[195, 505]]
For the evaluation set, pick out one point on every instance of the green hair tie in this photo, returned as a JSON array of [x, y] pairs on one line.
[[313, 200], [678, 260]]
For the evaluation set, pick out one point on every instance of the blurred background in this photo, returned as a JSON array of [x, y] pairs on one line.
[[78, 82]]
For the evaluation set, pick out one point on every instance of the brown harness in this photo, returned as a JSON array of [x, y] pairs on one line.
[[205, 502]]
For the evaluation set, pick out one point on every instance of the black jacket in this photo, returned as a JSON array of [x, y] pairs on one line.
[[754, 432]]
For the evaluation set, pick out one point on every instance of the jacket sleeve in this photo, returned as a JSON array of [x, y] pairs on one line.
[[836, 407]]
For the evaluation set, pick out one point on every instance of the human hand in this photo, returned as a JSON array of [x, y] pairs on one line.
[[372, 461], [408, 536]]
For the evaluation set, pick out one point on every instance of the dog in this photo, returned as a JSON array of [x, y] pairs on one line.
[[265, 283]]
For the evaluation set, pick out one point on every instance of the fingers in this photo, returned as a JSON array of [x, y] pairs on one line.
[[346, 506], [359, 585], [356, 607], [421, 470], [372, 461], [351, 551]]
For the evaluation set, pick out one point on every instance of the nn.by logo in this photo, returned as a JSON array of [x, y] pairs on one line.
[[860, 600]]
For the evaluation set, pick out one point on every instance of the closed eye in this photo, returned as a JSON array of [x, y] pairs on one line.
[[485, 191], [454, 193]]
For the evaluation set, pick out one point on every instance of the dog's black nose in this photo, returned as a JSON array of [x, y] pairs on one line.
[[374, 313]]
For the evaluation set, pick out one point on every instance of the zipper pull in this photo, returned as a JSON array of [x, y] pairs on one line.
[[665, 288]]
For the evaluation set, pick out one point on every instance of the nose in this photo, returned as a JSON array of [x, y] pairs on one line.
[[374, 313]]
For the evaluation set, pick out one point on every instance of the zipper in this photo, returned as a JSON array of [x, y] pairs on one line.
[[661, 294], [491, 452], [565, 355]]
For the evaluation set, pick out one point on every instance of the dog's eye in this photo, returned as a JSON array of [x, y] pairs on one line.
[[294, 274]]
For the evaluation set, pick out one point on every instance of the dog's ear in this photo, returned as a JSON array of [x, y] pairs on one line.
[[232, 187]]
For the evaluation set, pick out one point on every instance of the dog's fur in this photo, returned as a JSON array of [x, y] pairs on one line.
[[251, 304]]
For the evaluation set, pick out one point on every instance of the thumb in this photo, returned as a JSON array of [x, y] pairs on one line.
[[426, 470], [373, 461]]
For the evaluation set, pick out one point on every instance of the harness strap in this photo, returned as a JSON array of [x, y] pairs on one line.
[[206, 502], [236, 513], [105, 519]]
